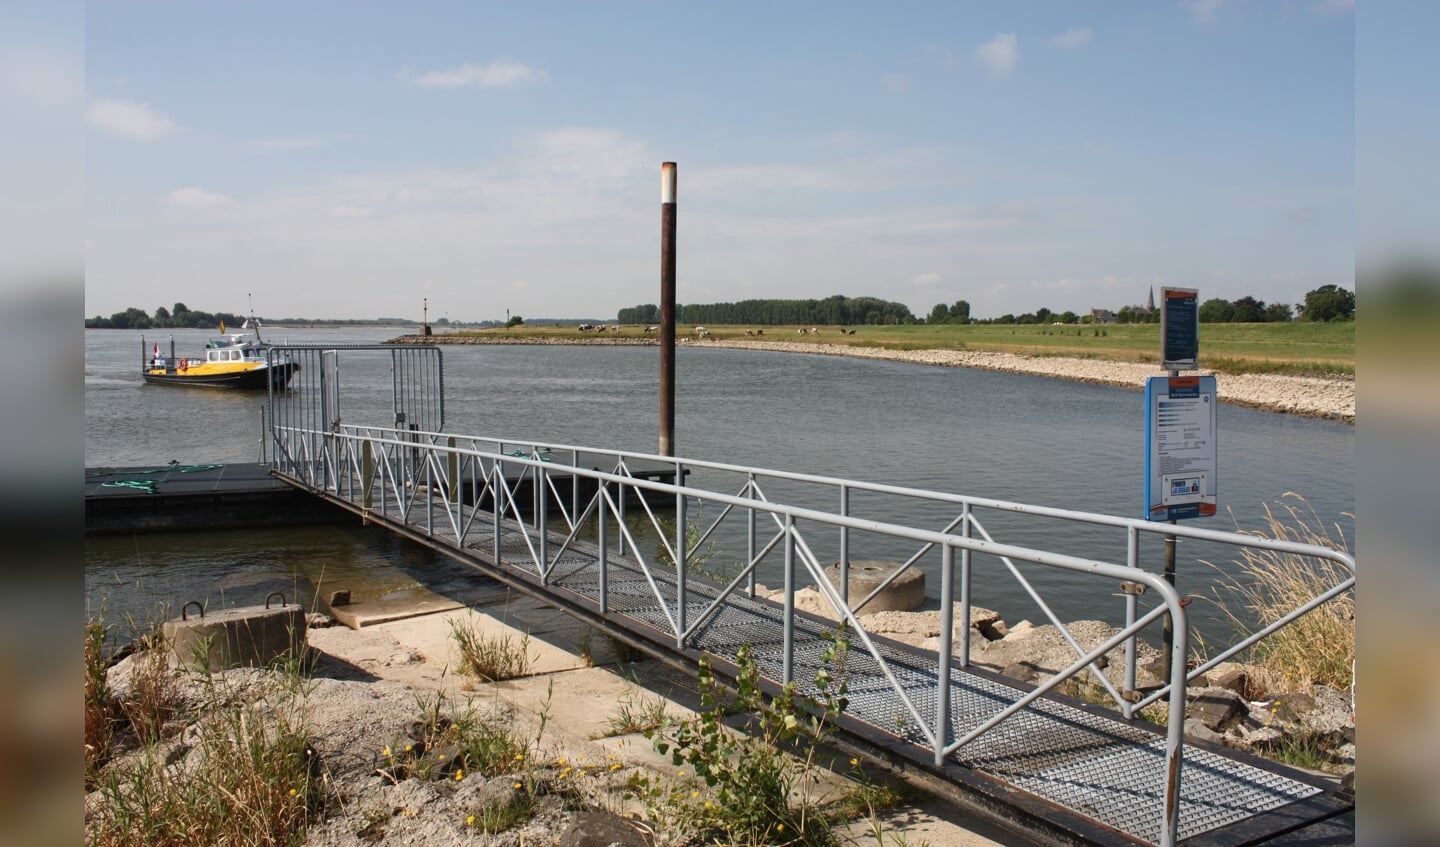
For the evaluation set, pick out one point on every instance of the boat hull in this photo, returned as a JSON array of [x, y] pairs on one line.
[[255, 379]]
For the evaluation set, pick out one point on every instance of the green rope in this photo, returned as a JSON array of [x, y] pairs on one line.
[[174, 466], [145, 485], [521, 454]]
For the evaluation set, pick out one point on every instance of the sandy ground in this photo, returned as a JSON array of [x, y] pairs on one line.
[[370, 685]]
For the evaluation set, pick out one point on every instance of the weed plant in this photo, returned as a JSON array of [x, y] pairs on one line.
[[743, 787], [637, 711], [490, 658], [100, 713]]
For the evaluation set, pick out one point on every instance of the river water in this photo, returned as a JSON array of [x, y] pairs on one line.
[[1006, 436]]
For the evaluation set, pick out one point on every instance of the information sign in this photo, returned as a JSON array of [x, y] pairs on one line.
[[1179, 329], [1180, 479]]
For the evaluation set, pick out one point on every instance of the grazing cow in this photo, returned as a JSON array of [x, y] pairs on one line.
[[759, 332], [650, 329], [801, 331], [584, 327], [749, 332], [702, 332]]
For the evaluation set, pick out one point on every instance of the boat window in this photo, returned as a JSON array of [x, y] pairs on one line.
[[234, 355], [211, 355]]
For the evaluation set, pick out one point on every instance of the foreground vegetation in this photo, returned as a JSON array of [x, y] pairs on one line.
[[1296, 348]]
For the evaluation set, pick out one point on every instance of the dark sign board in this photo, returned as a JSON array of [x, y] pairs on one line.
[[1179, 329]]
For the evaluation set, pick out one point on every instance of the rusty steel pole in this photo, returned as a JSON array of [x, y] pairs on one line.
[[667, 309]]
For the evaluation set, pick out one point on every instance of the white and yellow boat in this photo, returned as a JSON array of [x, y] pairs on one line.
[[231, 361]]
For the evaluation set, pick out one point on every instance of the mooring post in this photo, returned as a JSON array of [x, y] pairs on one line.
[[1168, 636], [667, 309]]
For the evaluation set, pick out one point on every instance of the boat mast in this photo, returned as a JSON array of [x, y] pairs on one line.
[[253, 322]]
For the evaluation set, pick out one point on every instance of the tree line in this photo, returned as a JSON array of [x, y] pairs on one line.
[[179, 316], [836, 310]]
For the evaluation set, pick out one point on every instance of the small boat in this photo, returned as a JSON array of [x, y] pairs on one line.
[[231, 361]]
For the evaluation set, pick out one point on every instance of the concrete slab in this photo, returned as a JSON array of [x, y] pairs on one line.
[[414, 602]]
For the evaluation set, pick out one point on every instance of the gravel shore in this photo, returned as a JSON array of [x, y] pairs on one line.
[[1314, 397]]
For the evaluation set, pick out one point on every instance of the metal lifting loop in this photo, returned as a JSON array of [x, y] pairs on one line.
[[184, 610], [274, 594]]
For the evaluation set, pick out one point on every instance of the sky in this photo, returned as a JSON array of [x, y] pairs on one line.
[[355, 160]]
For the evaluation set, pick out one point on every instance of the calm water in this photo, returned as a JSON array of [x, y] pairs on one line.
[[1005, 436]]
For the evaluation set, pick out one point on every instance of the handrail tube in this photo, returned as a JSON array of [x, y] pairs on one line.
[[1096, 518]]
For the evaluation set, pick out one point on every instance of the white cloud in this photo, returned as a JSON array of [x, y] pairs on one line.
[[999, 53], [896, 83], [194, 197], [1072, 38], [346, 210], [279, 145], [1203, 10], [129, 119], [926, 280], [498, 74]]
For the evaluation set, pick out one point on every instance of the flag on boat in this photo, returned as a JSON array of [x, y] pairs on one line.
[[156, 357], [246, 324], [222, 327]]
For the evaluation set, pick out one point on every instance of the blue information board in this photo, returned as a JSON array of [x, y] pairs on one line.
[[1180, 449]]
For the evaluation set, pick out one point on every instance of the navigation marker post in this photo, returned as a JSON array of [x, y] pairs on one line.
[[1180, 432], [667, 309]]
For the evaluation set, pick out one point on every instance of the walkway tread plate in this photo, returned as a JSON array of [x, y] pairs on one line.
[[1103, 768]]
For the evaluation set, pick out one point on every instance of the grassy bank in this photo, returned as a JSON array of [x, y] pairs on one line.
[[1283, 348]]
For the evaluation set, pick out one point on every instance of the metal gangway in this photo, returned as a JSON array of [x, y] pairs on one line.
[[583, 529]]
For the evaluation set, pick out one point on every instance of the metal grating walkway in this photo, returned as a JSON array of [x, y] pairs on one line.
[[1105, 769]]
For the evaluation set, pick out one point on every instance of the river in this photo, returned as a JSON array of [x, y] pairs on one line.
[[1006, 436]]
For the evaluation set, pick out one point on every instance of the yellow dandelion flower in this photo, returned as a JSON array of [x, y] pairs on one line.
[[708, 804], [519, 757], [409, 747], [616, 766], [385, 752], [292, 792], [459, 775], [517, 785], [560, 762], [681, 774], [439, 757], [694, 793], [470, 821], [854, 761], [779, 827]]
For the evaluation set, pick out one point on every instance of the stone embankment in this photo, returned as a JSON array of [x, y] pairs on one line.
[[1315, 397]]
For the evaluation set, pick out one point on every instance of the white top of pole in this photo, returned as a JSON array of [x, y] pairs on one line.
[[667, 182]]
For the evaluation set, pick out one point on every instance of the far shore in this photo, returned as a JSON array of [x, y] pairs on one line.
[[1331, 397]]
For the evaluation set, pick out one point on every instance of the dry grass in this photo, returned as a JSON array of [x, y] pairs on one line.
[[100, 715], [1319, 647], [251, 780]]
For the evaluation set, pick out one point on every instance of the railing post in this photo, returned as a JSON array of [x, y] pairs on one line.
[[964, 587], [845, 545], [1175, 731], [750, 533], [497, 479], [621, 518], [947, 644], [542, 522], [1132, 559], [788, 673], [367, 470], [682, 554], [429, 493], [604, 543]]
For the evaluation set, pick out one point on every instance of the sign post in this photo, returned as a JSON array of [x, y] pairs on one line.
[[1180, 478]]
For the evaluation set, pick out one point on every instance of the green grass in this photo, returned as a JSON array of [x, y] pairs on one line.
[[1298, 348]]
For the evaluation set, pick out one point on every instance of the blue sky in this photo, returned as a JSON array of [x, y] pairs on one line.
[[348, 159]]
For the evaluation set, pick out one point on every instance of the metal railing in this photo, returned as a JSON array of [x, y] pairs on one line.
[[439, 483]]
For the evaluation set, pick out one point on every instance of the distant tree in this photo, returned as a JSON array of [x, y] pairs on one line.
[[1216, 311], [1329, 303], [515, 320], [1069, 317], [1126, 315], [939, 315], [1278, 313], [960, 312], [1247, 310], [162, 316], [1006, 318]]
